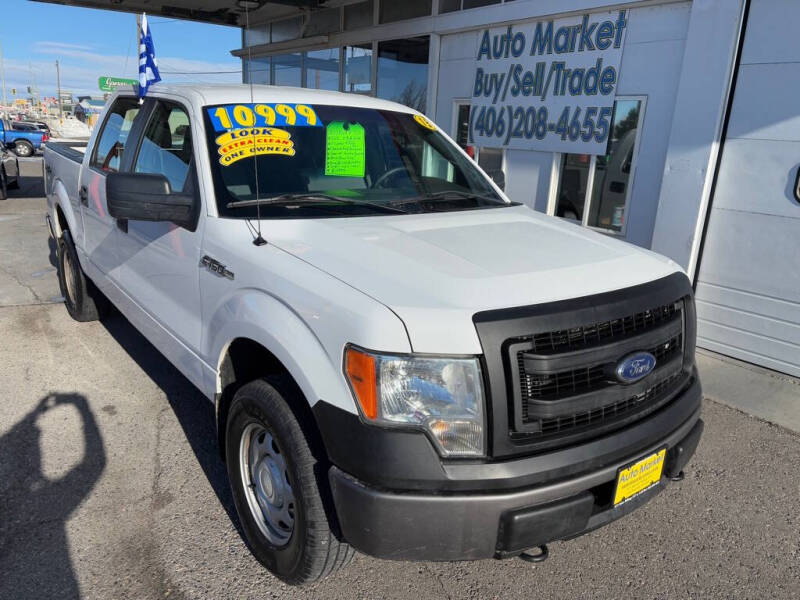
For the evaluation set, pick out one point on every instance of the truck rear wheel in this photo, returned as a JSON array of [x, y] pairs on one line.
[[279, 500], [23, 148], [83, 300]]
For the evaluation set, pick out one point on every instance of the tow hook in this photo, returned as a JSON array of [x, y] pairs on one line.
[[536, 554], [678, 477]]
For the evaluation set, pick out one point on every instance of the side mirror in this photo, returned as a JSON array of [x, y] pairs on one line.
[[148, 197]]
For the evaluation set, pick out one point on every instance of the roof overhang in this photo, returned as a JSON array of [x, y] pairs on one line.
[[219, 12]]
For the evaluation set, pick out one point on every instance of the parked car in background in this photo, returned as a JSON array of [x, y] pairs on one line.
[[9, 171], [32, 126], [21, 142]]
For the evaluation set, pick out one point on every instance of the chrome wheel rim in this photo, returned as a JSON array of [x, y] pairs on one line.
[[69, 275], [265, 480]]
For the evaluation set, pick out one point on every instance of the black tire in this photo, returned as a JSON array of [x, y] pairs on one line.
[[3, 185], [83, 300], [312, 551], [23, 148]]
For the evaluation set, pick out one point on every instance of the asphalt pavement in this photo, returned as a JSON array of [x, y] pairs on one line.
[[111, 484]]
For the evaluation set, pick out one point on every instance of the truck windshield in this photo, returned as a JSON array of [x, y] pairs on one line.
[[326, 161]]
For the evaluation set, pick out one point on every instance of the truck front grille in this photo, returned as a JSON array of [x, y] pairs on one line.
[[550, 368], [566, 377]]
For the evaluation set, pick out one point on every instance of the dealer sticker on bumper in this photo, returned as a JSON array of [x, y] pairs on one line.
[[640, 476]]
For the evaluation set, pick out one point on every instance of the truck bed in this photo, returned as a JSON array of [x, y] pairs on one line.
[[62, 169]]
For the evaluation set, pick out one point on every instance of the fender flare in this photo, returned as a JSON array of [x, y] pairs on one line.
[[62, 201], [257, 316]]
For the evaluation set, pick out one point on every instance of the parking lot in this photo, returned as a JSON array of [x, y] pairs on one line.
[[111, 485]]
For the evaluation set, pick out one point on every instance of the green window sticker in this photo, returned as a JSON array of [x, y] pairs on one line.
[[344, 149]]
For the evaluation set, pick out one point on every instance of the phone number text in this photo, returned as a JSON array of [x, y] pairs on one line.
[[517, 122]]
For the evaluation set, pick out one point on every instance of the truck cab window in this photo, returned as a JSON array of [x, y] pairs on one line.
[[167, 145], [111, 141]]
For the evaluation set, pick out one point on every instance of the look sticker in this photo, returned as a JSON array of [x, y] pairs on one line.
[[237, 144], [426, 123]]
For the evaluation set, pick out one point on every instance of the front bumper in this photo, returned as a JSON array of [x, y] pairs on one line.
[[446, 526]]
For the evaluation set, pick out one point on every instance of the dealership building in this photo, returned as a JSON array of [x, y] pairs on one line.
[[667, 124]]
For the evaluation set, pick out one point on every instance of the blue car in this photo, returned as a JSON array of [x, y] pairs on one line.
[[23, 142]]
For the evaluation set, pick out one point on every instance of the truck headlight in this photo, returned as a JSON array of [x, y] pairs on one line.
[[443, 396]]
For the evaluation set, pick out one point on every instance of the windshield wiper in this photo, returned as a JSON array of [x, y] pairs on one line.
[[311, 198], [445, 195]]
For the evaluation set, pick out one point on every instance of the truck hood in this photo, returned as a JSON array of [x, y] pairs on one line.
[[436, 270]]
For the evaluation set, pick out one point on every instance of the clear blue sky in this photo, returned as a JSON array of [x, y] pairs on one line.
[[90, 43]]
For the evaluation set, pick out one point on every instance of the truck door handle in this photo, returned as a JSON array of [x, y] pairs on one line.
[[83, 194]]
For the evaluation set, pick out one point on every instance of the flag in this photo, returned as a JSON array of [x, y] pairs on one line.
[[148, 67]]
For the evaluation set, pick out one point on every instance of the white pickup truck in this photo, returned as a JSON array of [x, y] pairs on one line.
[[402, 361]]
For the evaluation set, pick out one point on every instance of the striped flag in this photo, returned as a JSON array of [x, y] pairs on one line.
[[148, 67]]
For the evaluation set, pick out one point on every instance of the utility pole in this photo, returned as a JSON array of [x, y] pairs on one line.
[[3, 73], [58, 80]]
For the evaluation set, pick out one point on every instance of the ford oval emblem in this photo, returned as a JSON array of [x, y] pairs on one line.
[[635, 366]]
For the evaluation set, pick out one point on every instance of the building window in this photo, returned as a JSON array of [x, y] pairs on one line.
[[287, 69], [323, 21], [357, 16], [595, 190], [322, 69], [256, 35], [288, 29], [403, 71], [446, 6], [478, 3], [256, 70], [358, 69], [408, 9], [491, 160]]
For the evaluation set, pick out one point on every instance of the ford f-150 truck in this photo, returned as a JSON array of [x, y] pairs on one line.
[[24, 142], [402, 361]]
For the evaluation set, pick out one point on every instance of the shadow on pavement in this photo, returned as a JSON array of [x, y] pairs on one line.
[[29, 187], [34, 553], [193, 410]]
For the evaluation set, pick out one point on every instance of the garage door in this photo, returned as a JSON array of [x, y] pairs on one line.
[[748, 292]]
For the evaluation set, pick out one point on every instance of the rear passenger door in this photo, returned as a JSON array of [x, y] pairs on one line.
[[100, 229], [161, 268]]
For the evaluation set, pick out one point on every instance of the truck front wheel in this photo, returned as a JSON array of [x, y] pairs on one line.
[[273, 476], [84, 302]]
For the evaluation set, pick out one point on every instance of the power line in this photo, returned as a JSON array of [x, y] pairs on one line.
[[201, 72]]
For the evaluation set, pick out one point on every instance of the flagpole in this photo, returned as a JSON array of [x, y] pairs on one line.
[[138, 37]]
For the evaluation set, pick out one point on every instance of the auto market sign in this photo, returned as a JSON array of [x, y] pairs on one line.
[[109, 84], [548, 85]]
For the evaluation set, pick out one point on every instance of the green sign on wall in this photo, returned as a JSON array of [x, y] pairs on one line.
[[109, 84]]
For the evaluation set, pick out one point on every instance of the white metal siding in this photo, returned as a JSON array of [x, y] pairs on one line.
[[748, 292]]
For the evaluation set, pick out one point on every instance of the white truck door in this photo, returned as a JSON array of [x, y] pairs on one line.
[[100, 229], [162, 260]]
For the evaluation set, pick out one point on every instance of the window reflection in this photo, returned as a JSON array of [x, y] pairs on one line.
[[613, 171], [572, 186], [322, 69], [358, 68], [403, 71], [287, 69], [257, 70], [408, 9], [491, 161]]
